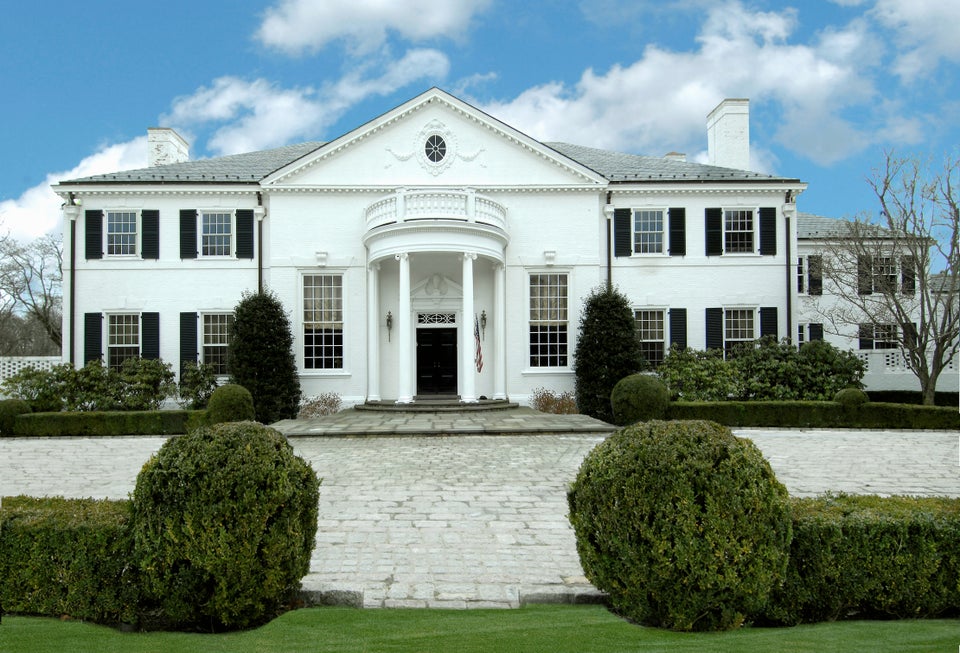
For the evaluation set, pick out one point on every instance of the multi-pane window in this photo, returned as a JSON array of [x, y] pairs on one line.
[[885, 274], [738, 231], [216, 237], [650, 332], [323, 321], [121, 233], [123, 339], [216, 334], [810, 275], [648, 231], [548, 320], [879, 336], [738, 328]]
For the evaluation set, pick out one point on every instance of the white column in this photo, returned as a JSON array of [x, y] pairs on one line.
[[499, 332], [468, 393], [373, 332], [404, 339]]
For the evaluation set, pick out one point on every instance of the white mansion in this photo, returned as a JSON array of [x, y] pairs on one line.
[[434, 251]]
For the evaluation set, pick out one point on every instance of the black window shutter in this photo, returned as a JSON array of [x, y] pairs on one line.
[[622, 232], [150, 243], [768, 231], [93, 227], [92, 337], [714, 328], [866, 336], [865, 277], [678, 327], [908, 273], [816, 331], [244, 233], [188, 233], [678, 231], [910, 335], [188, 338], [768, 321], [150, 335], [815, 275], [714, 229]]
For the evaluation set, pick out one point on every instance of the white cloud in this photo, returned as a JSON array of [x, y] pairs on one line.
[[259, 114], [298, 26], [37, 211], [659, 103], [926, 32]]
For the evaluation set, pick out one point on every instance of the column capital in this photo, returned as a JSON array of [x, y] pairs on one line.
[[402, 256], [374, 267], [472, 256]]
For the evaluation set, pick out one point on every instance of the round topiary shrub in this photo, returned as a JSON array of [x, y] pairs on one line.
[[682, 524], [9, 409], [224, 521], [230, 403], [851, 397], [639, 398]]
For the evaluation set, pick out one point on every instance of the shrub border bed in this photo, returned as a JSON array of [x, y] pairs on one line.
[[817, 414], [108, 423]]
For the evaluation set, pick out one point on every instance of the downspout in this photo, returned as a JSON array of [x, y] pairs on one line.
[[608, 210], [72, 211], [259, 214], [789, 271]]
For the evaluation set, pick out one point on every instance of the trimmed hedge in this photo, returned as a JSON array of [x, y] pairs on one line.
[[10, 409], [147, 422], [639, 398], [871, 557], [230, 403], [817, 414], [68, 557]]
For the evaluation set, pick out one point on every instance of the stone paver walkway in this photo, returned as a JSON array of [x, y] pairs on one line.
[[474, 520]]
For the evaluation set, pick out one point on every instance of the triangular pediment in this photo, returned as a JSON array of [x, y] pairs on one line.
[[434, 139]]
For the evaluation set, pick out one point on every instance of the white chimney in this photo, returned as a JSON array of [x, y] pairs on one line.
[[164, 146], [675, 156], [728, 134]]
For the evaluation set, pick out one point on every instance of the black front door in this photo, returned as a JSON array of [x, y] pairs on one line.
[[436, 361]]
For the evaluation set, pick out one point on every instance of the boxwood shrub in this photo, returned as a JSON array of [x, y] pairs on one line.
[[639, 397], [9, 410], [230, 403], [871, 557], [682, 524], [224, 522], [68, 557]]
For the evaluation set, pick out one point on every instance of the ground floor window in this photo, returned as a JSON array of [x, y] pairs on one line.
[[123, 339], [738, 328], [323, 321], [548, 320], [652, 335], [879, 336], [216, 334]]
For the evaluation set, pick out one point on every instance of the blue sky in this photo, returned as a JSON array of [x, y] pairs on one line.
[[833, 84]]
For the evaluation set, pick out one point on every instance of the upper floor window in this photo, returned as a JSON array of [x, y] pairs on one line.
[[121, 233], [886, 274], [738, 231], [216, 236], [879, 336], [648, 231], [810, 275], [323, 321], [548, 320]]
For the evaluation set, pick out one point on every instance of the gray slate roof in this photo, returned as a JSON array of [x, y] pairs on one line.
[[247, 168], [252, 167], [816, 226], [621, 167]]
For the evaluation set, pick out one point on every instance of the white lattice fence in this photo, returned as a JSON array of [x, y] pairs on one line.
[[10, 365]]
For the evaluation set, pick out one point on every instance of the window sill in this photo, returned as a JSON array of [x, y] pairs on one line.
[[538, 371]]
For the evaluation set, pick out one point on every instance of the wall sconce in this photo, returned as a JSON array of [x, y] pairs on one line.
[[483, 323], [389, 324]]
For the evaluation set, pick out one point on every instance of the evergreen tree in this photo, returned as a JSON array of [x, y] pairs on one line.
[[607, 350], [260, 356]]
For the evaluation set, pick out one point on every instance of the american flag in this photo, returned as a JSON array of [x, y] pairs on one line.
[[478, 356]]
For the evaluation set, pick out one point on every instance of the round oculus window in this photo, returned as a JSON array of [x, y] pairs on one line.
[[435, 148]]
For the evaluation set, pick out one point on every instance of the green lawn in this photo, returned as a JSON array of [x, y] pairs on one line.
[[552, 629]]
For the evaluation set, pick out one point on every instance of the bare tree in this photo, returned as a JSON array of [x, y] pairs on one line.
[[895, 277], [31, 276]]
